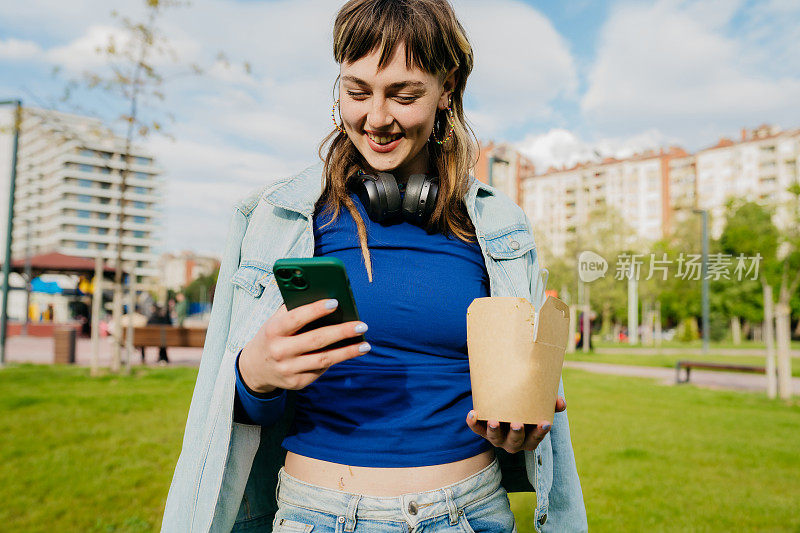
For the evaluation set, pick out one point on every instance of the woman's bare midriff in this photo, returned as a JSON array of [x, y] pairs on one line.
[[384, 482]]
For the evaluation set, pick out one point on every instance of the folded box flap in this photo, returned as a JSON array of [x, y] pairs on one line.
[[553, 327]]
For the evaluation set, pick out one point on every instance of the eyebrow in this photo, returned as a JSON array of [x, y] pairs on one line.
[[396, 85]]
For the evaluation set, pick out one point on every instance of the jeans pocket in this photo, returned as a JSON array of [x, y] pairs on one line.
[[288, 525], [489, 515]]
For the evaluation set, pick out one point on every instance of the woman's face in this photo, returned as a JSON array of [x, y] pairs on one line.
[[389, 114]]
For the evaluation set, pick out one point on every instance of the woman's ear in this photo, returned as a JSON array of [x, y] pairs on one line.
[[448, 87]]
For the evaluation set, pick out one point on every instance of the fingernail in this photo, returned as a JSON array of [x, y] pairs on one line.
[[472, 415], [494, 426], [332, 303], [364, 347], [361, 327], [516, 427], [545, 427]]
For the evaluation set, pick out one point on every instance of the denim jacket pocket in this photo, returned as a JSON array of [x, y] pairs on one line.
[[253, 276], [510, 242]]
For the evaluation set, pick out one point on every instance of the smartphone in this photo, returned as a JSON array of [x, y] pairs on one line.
[[303, 280]]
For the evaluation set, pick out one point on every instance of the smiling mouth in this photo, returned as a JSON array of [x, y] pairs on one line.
[[383, 139]]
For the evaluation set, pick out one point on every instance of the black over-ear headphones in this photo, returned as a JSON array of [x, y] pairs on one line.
[[381, 197]]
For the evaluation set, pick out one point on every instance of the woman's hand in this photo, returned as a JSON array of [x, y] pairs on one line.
[[278, 357], [513, 437]]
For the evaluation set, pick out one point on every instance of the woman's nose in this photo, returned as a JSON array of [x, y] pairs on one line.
[[378, 114]]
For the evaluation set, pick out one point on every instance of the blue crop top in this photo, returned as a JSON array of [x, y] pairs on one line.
[[403, 403]]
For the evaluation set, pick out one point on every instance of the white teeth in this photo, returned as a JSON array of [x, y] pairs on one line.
[[384, 140]]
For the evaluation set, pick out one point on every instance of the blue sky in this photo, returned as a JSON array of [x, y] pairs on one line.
[[561, 80]]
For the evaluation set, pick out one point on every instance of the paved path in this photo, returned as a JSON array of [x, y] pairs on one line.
[[27, 349], [702, 378], [687, 351]]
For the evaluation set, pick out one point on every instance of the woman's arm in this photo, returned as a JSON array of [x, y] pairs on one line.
[[566, 511]]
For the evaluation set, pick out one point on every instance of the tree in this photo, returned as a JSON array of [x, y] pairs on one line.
[[130, 74]]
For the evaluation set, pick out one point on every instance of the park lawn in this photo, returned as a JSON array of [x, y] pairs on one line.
[[668, 360], [84, 454], [696, 344]]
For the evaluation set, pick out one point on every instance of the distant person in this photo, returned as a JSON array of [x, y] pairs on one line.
[[180, 309], [160, 316], [584, 335]]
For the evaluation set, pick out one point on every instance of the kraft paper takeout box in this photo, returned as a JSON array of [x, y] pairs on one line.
[[514, 368]]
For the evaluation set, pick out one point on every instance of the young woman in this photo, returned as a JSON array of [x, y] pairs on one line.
[[375, 437]]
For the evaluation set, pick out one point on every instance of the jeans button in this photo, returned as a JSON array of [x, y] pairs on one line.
[[412, 507], [341, 520]]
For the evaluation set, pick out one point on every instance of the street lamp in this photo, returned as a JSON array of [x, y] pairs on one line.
[[7, 262], [704, 271]]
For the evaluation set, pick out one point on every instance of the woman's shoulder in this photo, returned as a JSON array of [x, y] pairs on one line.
[[298, 184]]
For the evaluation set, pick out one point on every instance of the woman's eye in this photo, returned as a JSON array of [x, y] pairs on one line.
[[406, 99], [356, 95]]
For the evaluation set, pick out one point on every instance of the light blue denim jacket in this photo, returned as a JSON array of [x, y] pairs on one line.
[[227, 472]]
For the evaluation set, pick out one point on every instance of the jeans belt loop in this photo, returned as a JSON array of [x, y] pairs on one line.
[[451, 506], [352, 507]]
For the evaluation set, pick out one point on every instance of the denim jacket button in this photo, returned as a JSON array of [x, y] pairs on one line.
[[543, 519], [514, 245]]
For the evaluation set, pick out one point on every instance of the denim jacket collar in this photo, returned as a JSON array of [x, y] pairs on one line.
[[300, 192]]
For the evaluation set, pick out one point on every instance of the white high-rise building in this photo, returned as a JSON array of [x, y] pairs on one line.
[[67, 196], [761, 167]]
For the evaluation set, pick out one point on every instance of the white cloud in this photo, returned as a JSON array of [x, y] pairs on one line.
[[674, 65], [16, 49], [521, 64], [559, 147]]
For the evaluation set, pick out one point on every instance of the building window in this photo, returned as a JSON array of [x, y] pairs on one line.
[[143, 160], [105, 170], [102, 231], [142, 175], [85, 198], [87, 153], [139, 249], [140, 205], [102, 246], [138, 234], [105, 155], [105, 200], [82, 214], [82, 245], [104, 185], [102, 216], [140, 220], [85, 183], [140, 190], [82, 229], [86, 168]]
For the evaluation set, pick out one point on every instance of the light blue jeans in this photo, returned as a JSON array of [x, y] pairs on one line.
[[476, 504]]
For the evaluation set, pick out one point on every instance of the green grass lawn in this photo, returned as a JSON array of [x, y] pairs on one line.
[[696, 344], [84, 454], [669, 360]]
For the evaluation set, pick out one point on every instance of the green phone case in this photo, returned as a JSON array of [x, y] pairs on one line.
[[303, 280]]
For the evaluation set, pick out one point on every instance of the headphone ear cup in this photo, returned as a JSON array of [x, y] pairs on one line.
[[392, 203], [379, 195], [420, 198]]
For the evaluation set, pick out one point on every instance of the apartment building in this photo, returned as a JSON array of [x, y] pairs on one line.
[[503, 167], [68, 193], [760, 166], [656, 191], [560, 201]]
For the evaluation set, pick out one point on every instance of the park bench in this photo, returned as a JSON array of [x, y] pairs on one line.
[[159, 335], [689, 365]]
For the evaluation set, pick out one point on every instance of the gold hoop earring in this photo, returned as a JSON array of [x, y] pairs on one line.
[[333, 117], [452, 124]]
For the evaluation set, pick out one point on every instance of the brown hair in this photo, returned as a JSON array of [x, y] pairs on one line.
[[434, 42]]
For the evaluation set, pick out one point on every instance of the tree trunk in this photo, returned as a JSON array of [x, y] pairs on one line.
[[782, 342], [769, 340], [736, 330]]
